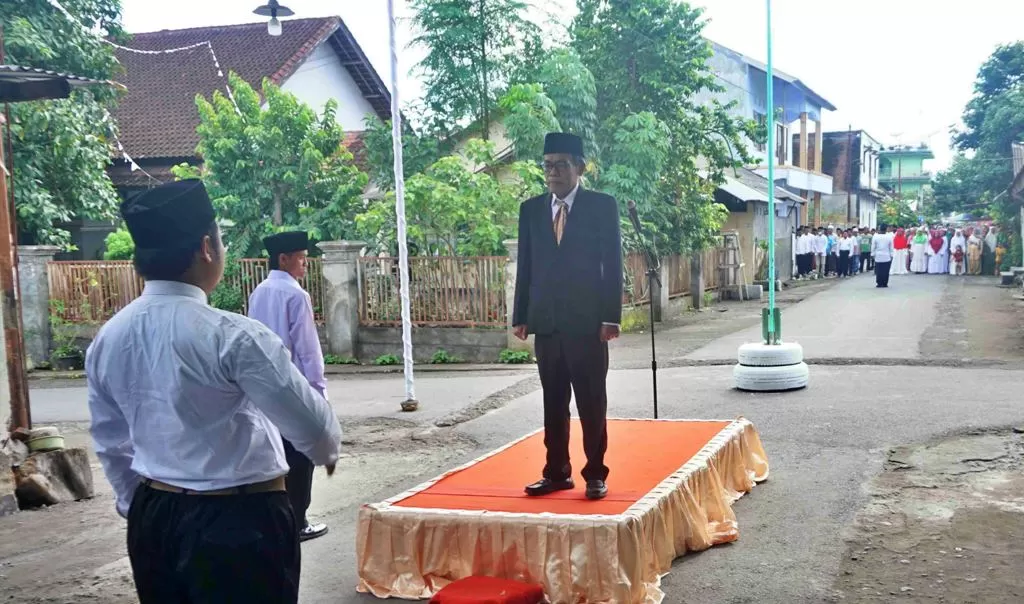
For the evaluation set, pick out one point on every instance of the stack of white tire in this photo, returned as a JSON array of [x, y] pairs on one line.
[[770, 368]]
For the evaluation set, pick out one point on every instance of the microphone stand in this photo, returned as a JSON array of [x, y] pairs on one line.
[[653, 276]]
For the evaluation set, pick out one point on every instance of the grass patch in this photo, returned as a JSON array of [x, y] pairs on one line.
[[515, 357]]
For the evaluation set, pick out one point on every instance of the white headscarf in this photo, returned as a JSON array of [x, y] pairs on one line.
[[958, 239]]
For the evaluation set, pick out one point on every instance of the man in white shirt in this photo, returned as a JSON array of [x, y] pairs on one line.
[[189, 405], [882, 251], [281, 304]]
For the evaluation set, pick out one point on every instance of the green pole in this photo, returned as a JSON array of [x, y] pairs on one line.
[[769, 318]]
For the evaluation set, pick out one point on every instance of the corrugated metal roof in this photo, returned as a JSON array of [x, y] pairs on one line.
[[782, 75]]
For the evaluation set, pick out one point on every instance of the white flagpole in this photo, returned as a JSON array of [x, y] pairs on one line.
[[410, 403]]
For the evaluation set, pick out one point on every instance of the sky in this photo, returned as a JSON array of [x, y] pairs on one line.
[[902, 70]]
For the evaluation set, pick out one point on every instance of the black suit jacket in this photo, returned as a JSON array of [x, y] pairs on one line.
[[574, 287]]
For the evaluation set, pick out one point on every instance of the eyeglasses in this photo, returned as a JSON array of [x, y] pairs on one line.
[[555, 166]]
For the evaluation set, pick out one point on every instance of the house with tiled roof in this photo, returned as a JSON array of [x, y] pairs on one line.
[[315, 59]]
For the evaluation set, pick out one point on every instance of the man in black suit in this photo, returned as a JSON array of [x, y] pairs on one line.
[[569, 295]]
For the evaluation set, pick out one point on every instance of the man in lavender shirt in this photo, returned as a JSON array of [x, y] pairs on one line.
[[281, 304]]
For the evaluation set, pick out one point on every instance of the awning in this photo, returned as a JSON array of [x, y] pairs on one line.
[[741, 191], [18, 84]]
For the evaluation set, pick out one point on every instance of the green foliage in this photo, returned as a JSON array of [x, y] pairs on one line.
[[474, 50], [442, 357], [274, 167], [61, 148], [639, 153], [228, 293], [419, 151], [387, 360], [635, 319], [568, 82], [529, 116], [650, 56], [515, 357], [1002, 72], [333, 359], [63, 334], [897, 212], [119, 246], [451, 210]]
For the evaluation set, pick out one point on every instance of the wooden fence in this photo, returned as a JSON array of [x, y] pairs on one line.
[[443, 291], [92, 291], [636, 290], [252, 271]]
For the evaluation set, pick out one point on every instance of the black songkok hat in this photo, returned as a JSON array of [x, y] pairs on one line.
[[563, 142], [286, 243], [169, 216]]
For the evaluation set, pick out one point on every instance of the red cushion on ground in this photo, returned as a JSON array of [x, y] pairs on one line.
[[489, 590]]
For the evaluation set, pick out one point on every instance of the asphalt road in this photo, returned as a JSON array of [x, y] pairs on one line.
[[852, 320], [824, 443]]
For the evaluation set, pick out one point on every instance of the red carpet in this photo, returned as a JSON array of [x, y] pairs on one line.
[[641, 454]]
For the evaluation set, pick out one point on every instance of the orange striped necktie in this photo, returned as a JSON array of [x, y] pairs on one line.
[[560, 217]]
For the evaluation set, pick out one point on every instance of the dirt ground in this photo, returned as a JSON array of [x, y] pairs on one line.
[[977, 321], [944, 524]]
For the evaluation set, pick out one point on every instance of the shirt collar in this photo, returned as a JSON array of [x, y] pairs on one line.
[[281, 275], [569, 199], [173, 288]]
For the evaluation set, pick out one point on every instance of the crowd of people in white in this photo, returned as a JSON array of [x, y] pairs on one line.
[[843, 252]]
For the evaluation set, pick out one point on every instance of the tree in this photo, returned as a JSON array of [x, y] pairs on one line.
[[419, 151], [475, 50], [1001, 72], [896, 212], [275, 167], [650, 56], [568, 82], [61, 148], [529, 116], [452, 210]]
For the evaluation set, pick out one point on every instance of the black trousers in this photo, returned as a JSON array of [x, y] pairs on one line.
[[882, 273], [867, 262], [213, 549], [574, 364], [844, 263], [299, 482]]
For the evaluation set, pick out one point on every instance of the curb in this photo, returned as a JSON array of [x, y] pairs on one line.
[[339, 370]]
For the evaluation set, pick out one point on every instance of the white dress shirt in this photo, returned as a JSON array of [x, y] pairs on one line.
[[280, 303], [194, 397], [570, 198], [882, 247], [820, 243], [845, 244]]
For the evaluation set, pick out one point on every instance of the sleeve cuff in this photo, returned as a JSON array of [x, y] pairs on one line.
[[610, 324]]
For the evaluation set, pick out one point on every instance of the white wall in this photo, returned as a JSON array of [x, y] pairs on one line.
[[322, 77]]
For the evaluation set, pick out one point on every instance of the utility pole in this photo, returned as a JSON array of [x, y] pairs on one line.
[[849, 169], [10, 304]]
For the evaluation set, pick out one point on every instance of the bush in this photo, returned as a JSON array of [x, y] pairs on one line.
[[634, 319], [441, 357], [385, 360], [515, 357], [333, 359], [119, 246], [227, 295]]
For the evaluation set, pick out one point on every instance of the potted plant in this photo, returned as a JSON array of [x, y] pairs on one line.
[[66, 355]]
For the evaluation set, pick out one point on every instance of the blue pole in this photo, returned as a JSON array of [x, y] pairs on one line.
[[772, 339]]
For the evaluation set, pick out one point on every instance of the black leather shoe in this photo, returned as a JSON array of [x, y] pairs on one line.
[[596, 489], [545, 486]]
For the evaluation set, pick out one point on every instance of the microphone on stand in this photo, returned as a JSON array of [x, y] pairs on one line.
[[653, 277]]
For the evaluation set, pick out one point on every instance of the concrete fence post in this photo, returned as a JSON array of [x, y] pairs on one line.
[[664, 293], [697, 280], [34, 286], [511, 268], [341, 295]]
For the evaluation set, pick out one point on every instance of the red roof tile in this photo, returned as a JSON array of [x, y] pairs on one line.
[[158, 117]]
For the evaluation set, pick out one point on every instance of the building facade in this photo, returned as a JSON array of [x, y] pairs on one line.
[[853, 159], [902, 171]]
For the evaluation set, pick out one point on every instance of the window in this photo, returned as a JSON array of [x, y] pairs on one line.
[[762, 123], [781, 143]]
